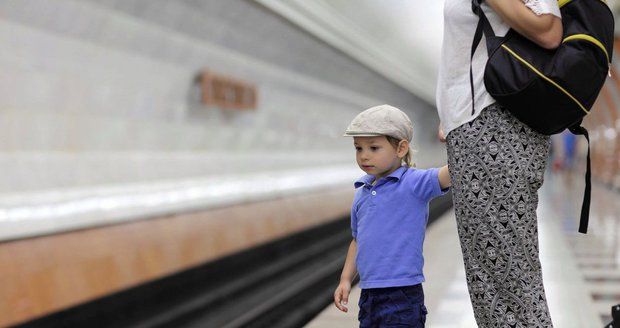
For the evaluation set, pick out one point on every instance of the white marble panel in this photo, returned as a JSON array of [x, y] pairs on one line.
[[93, 96]]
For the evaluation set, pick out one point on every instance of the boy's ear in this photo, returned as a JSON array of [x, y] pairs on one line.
[[403, 147]]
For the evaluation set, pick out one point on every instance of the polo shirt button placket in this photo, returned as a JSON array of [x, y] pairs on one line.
[[374, 192]]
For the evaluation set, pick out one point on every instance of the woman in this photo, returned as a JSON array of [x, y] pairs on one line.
[[496, 165]]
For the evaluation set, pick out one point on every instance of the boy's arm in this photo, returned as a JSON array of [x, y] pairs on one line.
[[444, 177], [349, 271]]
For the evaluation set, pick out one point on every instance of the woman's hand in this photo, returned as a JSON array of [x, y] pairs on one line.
[[544, 30], [341, 295]]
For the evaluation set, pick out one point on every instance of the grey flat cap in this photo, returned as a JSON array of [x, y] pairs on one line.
[[381, 120]]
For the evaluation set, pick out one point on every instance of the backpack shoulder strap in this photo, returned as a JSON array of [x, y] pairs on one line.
[[483, 27], [585, 207]]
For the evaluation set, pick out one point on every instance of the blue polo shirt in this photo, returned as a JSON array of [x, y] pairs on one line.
[[388, 221]]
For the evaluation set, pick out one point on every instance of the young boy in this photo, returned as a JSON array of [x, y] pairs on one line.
[[388, 221]]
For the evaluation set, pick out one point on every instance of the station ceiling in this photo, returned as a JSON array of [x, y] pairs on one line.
[[400, 39]]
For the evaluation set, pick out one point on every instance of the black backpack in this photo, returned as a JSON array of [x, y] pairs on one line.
[[551, 90], [615, 315]]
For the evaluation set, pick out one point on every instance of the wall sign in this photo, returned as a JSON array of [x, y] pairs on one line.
[[226, 92]]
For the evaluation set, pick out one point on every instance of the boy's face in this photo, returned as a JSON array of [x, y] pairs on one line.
[[376, 156]]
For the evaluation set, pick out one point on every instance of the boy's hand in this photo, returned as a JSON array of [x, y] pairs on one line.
[[440, 135], [341, 296]]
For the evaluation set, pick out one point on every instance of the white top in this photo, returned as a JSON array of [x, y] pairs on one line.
[[453, 88]]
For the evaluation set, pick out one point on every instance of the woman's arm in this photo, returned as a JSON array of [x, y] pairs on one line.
[[341, 295], [444, 177], [544, 30]]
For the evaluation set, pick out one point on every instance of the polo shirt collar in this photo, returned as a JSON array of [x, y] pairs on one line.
[[367, 179]]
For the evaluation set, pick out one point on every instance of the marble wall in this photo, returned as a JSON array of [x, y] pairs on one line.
[[105, 92]]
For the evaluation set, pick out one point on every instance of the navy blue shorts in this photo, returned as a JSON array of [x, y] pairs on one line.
[[392, 307]]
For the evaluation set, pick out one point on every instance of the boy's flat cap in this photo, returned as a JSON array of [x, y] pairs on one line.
[[382, 120]]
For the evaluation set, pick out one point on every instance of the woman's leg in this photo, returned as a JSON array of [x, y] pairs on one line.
[[496, 166]]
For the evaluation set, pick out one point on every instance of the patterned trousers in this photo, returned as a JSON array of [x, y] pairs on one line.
[[497, 165]]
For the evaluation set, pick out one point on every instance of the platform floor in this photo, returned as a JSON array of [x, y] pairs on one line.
[[581, 272]]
